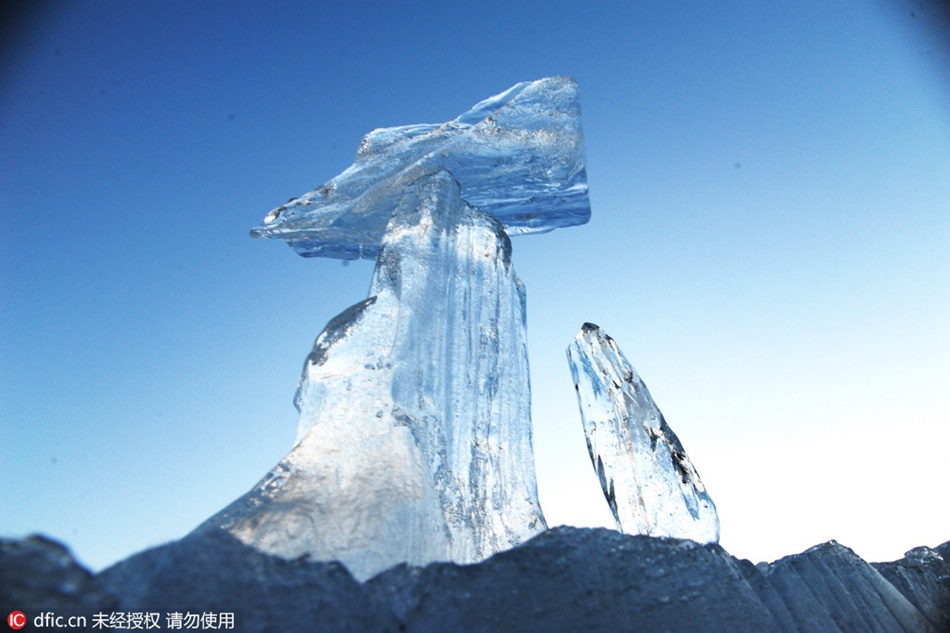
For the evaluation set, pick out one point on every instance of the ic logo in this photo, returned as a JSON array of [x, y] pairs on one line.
[[16, 620]]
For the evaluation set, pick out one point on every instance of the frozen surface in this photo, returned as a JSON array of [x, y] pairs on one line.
[[518, 156], [562, 581], [650, 483], [414, 440]]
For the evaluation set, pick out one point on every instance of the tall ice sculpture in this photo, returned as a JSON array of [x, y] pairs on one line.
[[414, 439]]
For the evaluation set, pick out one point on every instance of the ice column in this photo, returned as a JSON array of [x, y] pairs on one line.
[[414, 440]]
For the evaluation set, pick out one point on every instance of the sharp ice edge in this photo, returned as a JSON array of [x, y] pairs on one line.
[[649, 482], [414, 440], [518, 156]]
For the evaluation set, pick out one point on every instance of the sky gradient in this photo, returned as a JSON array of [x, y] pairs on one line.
[[769, 245]]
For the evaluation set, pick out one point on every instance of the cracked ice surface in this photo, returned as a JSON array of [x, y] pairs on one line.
[[414, 439], [650, 483], [518, 156]]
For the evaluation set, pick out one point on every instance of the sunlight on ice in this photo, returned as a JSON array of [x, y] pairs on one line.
[[518, 156], [414, 440], [650, 483]]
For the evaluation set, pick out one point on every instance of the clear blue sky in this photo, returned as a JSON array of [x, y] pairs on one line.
[[770, 246]]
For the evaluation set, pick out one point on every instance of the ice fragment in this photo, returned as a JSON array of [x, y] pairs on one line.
[[518, 156], [649, 482]]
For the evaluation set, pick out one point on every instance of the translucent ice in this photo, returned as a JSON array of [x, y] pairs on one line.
[[414, 439], [518, 156], [650, 483]]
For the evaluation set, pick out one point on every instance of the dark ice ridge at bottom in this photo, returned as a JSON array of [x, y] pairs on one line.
[[565, 579]]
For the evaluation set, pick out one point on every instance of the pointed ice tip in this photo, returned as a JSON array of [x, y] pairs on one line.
[[593, 332]]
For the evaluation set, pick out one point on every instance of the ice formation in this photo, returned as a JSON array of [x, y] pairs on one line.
[[518, 156], [650, 483], [414, 438]]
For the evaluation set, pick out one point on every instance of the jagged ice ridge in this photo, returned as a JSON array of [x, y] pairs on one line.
[[566, 579]]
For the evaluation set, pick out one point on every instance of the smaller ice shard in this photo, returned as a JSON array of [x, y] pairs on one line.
[[650, 483], [517, 156]]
